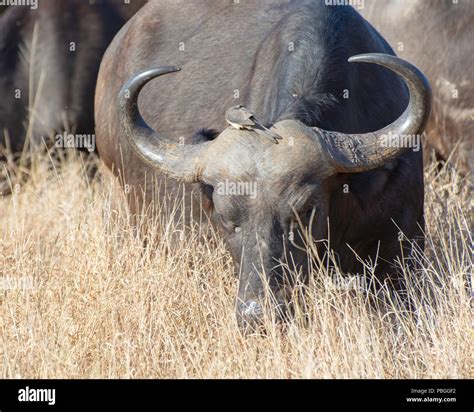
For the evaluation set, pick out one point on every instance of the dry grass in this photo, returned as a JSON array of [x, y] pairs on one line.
[[83, 298]]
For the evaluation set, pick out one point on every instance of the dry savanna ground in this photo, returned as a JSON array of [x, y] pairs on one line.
[[82, 297]]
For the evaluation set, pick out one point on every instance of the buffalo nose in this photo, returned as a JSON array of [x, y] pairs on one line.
[[249, 315]]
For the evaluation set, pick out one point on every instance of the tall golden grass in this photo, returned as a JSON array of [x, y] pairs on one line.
[[82, 297]]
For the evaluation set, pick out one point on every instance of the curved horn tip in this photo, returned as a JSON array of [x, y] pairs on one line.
[[139, 80], [158, 71], [370, 57], [172, 68]]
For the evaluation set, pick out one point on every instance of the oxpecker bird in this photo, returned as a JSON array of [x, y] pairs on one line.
[[242, 118]]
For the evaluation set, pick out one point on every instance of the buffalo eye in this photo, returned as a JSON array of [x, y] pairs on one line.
[[230, 227]]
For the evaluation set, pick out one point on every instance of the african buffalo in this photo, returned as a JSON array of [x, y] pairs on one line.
[[287, 60], [436, 35], [49, 61]]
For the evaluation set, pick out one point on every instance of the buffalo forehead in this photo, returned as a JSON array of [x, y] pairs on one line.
[[244, 155]]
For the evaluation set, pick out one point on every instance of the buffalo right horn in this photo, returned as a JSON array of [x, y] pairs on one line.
[[351, 153]]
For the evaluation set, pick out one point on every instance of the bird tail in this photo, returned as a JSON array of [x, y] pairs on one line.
[[273, 135]]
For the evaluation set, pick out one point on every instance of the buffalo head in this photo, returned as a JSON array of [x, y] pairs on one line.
[[266, 195]]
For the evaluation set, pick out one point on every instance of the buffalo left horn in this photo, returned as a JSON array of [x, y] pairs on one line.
[[181, 162]]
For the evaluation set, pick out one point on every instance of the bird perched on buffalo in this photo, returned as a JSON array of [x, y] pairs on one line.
[[241, 118]]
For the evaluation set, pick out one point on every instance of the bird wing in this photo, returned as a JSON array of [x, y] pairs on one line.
[[249, 121], [240, 117]]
